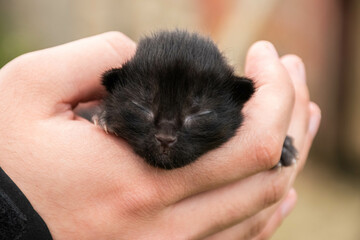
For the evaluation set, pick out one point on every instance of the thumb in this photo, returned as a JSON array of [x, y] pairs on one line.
[[66, 74]]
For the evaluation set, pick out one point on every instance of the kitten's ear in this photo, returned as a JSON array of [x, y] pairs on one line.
[[242, 89], [113, 77]]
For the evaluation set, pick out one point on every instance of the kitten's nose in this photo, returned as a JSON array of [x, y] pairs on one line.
[[165, 140]]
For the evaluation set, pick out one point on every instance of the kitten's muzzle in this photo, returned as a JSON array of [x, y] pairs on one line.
[[166, 134], [165, 140]]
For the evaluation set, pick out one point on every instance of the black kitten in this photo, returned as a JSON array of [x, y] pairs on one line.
[[176, 99]]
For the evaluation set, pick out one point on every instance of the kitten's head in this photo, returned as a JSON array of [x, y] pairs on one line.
[[175, 100]]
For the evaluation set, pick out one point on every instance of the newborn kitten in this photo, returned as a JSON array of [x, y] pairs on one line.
[[176, 99]]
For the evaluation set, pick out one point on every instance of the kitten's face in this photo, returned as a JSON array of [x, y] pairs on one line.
[[175, 100], [170, 125]]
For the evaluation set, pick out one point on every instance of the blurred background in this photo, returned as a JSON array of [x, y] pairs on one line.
[[324, 33]]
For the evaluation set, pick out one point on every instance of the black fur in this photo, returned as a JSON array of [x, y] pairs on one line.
[[175, 100]]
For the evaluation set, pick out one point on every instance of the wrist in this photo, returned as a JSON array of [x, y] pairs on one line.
[[18, 219]]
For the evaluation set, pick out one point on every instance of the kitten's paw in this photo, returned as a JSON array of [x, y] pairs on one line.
[[98, 120], [288, 154]]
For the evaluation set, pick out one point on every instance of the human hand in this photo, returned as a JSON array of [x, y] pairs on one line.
[[303, 127], [89, 185]]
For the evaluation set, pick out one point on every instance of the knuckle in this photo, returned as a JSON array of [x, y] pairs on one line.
[[314, 110], [268, 151], [230, 214], [255, 229], [18, 66], [266, 233], [274, 192], [302, 96], [26, 70], [290, 93], [116, 35], [142, 200], [285, 95], [120, 43], [285, 88], [17, 73]]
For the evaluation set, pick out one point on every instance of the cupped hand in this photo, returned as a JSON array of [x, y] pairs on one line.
[[89, 185], [305, 120]]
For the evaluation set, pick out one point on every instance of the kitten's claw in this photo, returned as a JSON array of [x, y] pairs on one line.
[[277, 166], [99, 121], [95, 120]]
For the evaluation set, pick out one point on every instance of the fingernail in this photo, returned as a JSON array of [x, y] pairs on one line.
[[314, 119], [296, 67], [266, 46], [289, 203], [301, 69], [270, 47]]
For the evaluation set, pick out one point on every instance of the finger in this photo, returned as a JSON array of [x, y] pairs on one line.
[[262, 224], [285, 208], [273, 101], [69, 73], [314, 123], [276, 219], [300, 116], [216, 210], [258, 143]]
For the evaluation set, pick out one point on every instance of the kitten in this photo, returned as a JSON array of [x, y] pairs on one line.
[[176, 99]]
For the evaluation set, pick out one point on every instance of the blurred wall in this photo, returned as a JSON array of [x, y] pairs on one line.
[[349, 113], [312, 30], [47, 23]]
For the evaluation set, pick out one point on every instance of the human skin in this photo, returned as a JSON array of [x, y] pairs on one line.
[[86, 184]]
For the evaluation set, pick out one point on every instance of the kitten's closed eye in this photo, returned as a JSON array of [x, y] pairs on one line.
[[145, 110], [193, 117]]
